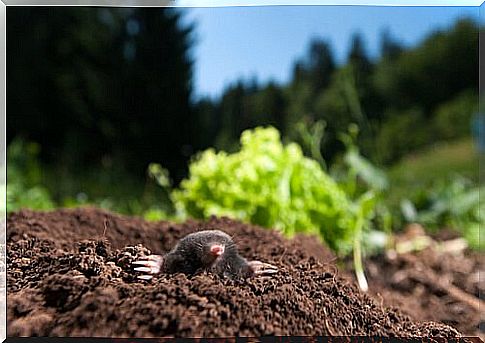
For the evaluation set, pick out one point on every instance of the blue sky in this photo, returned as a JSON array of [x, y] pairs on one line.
[[242, 42]]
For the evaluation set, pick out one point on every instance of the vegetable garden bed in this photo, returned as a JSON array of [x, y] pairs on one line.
[[70, 274]]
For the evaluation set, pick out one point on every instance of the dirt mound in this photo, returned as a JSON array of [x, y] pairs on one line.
[[412, 282], [69, 274]]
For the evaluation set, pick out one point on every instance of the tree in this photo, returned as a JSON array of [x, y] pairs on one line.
[[321, 64], [270, 106], [317, 67], [358, 55], [390, 48], [235, 113], [155, 91], [442, 66], [95, 84]]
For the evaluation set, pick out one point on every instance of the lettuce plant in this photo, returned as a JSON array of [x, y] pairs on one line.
[[272, 185]]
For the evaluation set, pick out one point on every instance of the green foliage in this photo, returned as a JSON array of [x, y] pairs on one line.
[[390, 47], [421, 169], [357, 176], [451, 202], [442, 66], [453, 118], [300, 101], [312, 136], [272, 185], [36, 186], [160, 174], [317, 67], [404, 132], [403, 98], [360, 167], [164, 209], [156, 214], [366, 185], [24, 177]]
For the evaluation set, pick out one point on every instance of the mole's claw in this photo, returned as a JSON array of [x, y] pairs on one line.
[[153, 258], [261, 268], [145, 277], [143, 262], [150, 264], [147, 263]]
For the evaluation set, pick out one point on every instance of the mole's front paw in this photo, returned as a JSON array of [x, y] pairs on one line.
[[151, 264], [261, 268]]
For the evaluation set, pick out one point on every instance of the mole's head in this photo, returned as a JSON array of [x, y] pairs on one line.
[[208, 245]]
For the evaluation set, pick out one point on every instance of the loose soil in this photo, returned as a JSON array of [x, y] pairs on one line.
[[69, 273], [432, 285]]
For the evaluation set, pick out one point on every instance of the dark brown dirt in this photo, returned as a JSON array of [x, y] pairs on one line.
[[66, 279], [404, 281]]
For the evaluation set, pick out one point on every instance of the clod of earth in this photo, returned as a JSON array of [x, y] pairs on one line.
[[65, 278]]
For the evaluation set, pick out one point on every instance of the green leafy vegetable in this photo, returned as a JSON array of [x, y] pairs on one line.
[[271, 185]]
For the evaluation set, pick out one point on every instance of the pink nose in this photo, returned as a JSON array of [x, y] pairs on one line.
[[217, 250]]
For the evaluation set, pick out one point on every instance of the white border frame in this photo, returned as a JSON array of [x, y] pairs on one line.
[[226, 3], [144, 3], [3, 171]]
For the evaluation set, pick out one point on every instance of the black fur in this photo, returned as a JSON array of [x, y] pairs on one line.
[[192, 255]]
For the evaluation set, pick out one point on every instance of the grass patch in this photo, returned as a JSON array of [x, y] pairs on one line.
[[440, 161]]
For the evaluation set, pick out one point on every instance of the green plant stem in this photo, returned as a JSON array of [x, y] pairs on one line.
[[359, 270]]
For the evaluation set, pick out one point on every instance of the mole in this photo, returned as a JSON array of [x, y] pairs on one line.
[[208, 250]]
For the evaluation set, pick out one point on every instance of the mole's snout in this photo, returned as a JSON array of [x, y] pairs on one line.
[[217, 249]]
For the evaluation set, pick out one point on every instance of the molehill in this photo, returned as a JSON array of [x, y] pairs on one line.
[[70, 274]]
